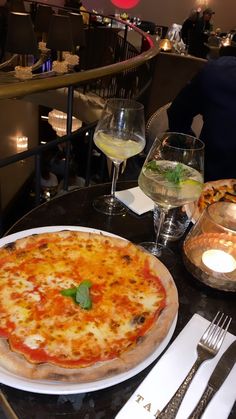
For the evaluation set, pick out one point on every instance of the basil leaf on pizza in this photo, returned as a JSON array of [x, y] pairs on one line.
[[80, 294], [79, 307], [71, 292]]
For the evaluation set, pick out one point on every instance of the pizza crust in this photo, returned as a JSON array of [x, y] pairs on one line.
[[193, 208], [18, 364]]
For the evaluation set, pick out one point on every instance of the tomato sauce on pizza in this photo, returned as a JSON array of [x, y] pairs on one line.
[[74, 301]]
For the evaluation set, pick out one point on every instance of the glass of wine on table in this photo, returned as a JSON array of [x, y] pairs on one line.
[[172, 176], [120, 134]]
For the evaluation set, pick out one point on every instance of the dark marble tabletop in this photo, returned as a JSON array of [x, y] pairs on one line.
[[75, 208]]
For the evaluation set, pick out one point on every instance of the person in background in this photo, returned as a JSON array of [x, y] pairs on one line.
[[234, 38], [74, 181], [212, 94], [188, 26], [84, 14], [48, 183], [75, 4], [200, 34]]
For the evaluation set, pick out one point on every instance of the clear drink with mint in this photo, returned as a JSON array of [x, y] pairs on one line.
[[170, 184]]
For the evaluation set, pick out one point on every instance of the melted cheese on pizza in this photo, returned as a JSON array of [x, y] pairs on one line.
[[46, 326]]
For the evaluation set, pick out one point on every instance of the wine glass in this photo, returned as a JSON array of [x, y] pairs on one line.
[[120, 134], [172, 176]]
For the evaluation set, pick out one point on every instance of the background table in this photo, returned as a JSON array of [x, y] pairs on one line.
[[75, 208]]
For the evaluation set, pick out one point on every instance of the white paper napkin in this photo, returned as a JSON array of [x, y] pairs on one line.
[[136, 200], [166, 376]]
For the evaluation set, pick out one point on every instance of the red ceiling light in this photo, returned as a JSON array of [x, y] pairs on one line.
[[125, 4]]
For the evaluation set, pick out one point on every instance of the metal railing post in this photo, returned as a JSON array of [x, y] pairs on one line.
[[88, 165], [70, 98], [37, 178], [125, 43]]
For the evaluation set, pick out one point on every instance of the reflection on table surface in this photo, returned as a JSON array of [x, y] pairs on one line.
[[75, 208]]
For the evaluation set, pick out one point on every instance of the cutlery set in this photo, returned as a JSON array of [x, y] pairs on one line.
[[216, 379], [207, 348]]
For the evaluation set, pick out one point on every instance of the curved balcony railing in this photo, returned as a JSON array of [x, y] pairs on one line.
[[131, 63], [130, 58]]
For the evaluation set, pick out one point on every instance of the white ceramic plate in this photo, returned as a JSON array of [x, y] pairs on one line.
[[54, 387]]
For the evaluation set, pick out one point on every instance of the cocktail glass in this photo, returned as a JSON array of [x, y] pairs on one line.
[[172, 176], [120, 134]]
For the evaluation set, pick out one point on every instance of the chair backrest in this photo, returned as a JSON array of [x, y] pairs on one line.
[[158, 123]]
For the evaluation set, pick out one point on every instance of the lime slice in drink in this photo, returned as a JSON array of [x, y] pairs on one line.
[[191, 188], [116, 148]]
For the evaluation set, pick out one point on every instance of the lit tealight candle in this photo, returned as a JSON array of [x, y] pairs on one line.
[[219, 261], [165, 45]]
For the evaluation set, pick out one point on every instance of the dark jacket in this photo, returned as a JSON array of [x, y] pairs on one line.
[[187, 30], [212, 93], [198, 38]]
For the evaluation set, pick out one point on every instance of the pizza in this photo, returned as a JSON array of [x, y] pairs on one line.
[[78, 306], [218, 190]]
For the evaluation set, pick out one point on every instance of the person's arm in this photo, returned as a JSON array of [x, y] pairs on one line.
[[186, 105], [184, 32]]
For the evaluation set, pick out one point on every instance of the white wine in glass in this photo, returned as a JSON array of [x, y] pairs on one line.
[[120, 134], [172, 176]]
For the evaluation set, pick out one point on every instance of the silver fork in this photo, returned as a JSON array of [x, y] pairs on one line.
[[207, 348]]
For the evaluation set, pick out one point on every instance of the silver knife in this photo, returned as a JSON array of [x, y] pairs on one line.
[[220, 373]]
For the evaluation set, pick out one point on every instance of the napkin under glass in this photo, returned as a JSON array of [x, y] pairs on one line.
[[135, 199], [164, 379]]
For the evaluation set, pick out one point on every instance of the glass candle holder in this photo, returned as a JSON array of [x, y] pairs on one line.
[[210, 247]]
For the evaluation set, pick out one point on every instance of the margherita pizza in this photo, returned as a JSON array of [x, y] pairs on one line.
[[218, 190], [79, 307]]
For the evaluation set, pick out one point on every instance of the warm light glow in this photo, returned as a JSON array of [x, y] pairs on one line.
[[165, 45], [42, 47], [226, 42], [20, 13], [22, 143], [71, 59], [219, 261], [23, 73], [60, 67], [125, 4], [201, 5], [58, 121]]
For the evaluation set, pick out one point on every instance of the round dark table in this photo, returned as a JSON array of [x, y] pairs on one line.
[[75, 208]]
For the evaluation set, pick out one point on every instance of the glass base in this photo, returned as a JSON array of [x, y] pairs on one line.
[[109, 205], [175, 224], [163, 253]]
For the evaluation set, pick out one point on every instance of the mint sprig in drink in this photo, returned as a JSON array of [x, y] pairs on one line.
[[170, 184]]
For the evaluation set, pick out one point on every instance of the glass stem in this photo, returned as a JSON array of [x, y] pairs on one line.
[[115, 175], [160, 223]]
